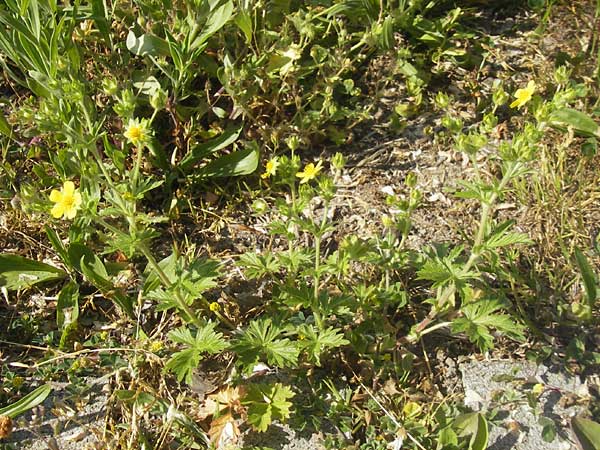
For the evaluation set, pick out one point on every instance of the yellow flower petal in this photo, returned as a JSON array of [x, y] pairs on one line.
[[68, 188], [57, 210], [55, 196]]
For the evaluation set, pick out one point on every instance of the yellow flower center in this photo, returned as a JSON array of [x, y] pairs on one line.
[[135, 133]]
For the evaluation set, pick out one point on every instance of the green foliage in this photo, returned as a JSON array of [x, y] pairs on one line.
[[590, 283], [17, 272], [266, 403], [587, 432], [149, 107], [475, 426], [27, 402], [480, 317], [315, 342], [205, 341], [260, 342]]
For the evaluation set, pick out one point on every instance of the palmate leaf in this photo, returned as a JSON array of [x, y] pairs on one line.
[[480, 317], [502, 237], [443, 269], [316, 342], [267, 402], [206, 340], [256, 266], [260, 341]]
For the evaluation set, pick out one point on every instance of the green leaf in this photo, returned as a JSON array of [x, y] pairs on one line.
[[31, 400], [201, 151], [589, 278], [5, 128], [217, 18], [501, 237], [241, 162], [58, 246], [479, 317], [474, 425], [587, 433], [267, 402], [581, 122], [67, 307], [260, 340], [101, 20], [183, 363], [256, 266], [206, 340], [147, 44], [244, 23], [315, 342], [548, 429], [17, 272], [94, 271]]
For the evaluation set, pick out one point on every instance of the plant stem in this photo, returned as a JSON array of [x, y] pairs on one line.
[[487, 208], [180, 301]]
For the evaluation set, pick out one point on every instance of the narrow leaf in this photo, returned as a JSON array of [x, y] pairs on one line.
[[242, 162], [31, 400], [201, 151], [589, 278], [17, 272], [587, 433], [581, 122]]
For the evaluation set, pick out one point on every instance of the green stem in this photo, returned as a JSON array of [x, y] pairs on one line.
[[181, 304], [487, 208]]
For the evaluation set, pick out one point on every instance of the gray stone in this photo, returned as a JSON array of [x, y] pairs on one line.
[[504, 385]]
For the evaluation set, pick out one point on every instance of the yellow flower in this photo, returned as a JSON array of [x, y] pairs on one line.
[[214, 307], [310, 172], [68, 201], [523, 95], [137, 132], [270, 168]]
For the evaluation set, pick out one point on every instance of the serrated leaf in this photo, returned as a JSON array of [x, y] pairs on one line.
[[260, 341], [206, 340], [501, 237], [316, 342], [479, 317], [17, 272], [267, 402], [182, 363], [587, 433], [256, 266]]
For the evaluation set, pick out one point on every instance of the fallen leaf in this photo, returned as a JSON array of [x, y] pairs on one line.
[[223, 431]]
